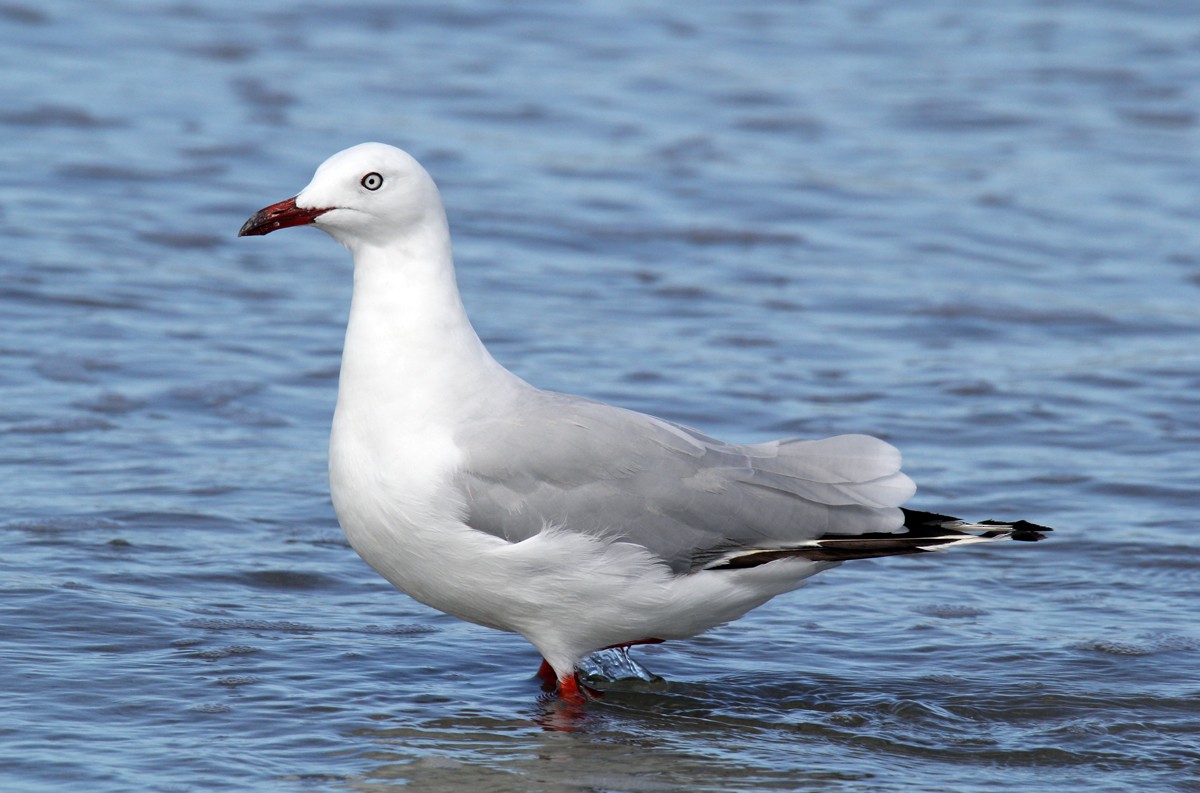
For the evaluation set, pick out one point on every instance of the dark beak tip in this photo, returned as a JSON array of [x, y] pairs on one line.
[[248, 228], [278, 216]]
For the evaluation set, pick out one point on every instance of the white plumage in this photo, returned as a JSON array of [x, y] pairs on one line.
[[576, 524]]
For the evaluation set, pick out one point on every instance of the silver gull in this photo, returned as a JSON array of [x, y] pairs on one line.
[[576, 524]]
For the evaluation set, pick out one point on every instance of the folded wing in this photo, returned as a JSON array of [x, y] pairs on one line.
[[573, 464]]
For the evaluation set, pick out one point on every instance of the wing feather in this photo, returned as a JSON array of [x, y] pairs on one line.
[[573, 464]]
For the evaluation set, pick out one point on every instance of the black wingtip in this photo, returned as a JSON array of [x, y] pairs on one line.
[[1021, 530], [925, 531]]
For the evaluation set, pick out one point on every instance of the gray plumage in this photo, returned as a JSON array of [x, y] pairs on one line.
[[559, 460]]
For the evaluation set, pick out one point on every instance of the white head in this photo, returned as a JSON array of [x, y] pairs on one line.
[[368, 195]]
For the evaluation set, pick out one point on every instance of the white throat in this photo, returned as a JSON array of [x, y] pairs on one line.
[[412, 364]]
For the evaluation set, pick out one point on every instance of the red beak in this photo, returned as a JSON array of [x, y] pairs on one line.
[[279, 216]]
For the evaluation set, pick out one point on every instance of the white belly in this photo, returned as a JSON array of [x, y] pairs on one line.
[[567, 592]]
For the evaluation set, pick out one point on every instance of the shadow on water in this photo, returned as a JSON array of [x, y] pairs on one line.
[[788, 732]]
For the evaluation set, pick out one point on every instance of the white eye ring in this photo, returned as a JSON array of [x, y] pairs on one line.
[[372, 181]]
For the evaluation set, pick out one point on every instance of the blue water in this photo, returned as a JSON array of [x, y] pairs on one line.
[[968, 228]]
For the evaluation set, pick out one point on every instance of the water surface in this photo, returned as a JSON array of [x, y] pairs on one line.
[[970, 231]]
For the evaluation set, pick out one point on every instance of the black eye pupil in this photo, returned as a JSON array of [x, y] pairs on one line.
[[372, 181]]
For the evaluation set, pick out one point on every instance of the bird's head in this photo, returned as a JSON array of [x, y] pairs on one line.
[[368, 195]]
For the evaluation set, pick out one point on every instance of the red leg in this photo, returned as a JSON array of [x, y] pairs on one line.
[[545, 673], [570, 691], [569, 688], [573, 692]]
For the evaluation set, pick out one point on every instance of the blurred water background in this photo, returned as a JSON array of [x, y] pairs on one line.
[[970, 229]]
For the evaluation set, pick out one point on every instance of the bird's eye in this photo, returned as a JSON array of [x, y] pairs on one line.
[[372, 181]]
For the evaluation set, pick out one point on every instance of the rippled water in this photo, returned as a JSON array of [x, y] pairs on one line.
[[969, 230]]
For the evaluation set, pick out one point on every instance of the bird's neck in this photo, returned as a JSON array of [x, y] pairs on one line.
[[411, 355]]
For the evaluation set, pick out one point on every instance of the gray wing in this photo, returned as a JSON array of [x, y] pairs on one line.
[[558, 460]]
